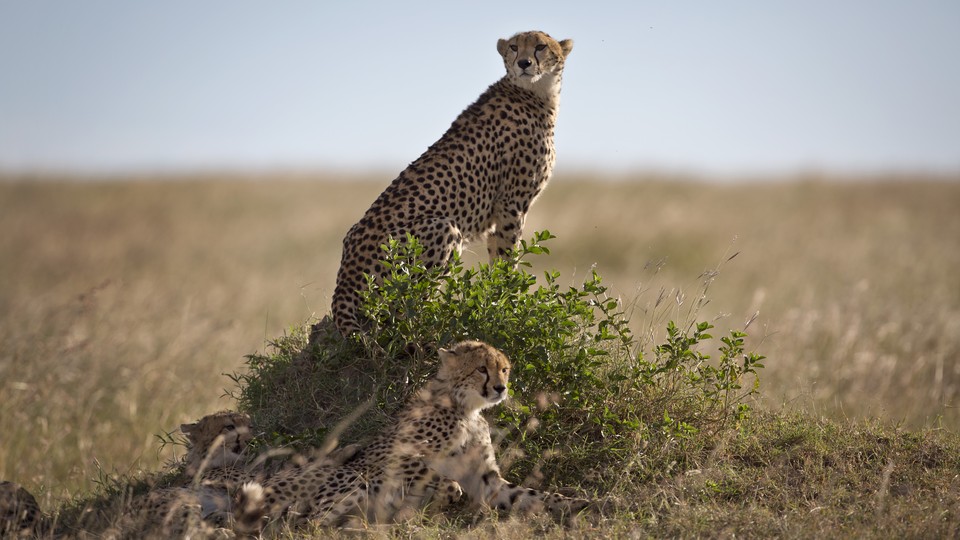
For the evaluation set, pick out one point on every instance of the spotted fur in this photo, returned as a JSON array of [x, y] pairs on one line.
[[437, 450], [203, 497], [478, 181], [218, 490]]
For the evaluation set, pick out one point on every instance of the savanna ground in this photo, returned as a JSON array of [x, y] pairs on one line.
[[123, 304]]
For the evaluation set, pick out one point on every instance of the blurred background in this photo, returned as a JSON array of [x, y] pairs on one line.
[[176, 179], [729, 87]]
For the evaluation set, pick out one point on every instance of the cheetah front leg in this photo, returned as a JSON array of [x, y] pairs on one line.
[[426, 486], [508, 497], [475, 468], [408, 486], [508, 226]]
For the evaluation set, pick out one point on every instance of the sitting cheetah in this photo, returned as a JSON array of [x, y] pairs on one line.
[[438, 447], [479, 180], [20, 515]]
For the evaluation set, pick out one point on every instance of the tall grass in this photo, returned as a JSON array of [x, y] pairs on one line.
[[123, 303], [853, 280]]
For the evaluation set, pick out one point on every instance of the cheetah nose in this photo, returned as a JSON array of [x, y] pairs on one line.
[[524, 64], [499, 388]]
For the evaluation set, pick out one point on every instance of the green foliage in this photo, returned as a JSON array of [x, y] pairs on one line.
[[647, 428], [557, 337], [300, 391], [582, 388], [714, 392]]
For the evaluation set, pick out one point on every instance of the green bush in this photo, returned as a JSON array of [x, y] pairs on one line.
[[583, 391]]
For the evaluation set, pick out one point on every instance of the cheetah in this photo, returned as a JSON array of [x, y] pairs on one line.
[[212, 489], [478, 181], [437, 450], [213, 471], [216, 443], [20, 515]]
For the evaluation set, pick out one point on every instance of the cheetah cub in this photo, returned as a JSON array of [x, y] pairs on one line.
[[215, 490], [437, 450], [202, 497], [478, 181]]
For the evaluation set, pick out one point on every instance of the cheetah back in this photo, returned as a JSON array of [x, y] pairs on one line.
[[479, 180]]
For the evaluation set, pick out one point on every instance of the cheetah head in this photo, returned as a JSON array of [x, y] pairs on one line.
[[219, 439], [534, 60], [477, 372]]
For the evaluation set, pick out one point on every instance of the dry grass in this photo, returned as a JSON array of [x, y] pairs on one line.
[[855, 282], [124, 302]]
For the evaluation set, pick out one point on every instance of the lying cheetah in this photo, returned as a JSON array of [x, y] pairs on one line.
[[437, 449], [216, 444], [479, 180], [201, 498], [209, 493], [213, 471]]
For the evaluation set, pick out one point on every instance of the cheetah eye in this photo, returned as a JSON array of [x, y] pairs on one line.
[[504, 370], [482, 369], [541, 47], [513, 48], [229, 427]]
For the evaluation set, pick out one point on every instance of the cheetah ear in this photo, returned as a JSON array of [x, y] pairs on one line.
[[188, 429], [566, 46], [502, 47], [448, 359]]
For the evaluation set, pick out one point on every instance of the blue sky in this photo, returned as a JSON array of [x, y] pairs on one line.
[[716, 87]]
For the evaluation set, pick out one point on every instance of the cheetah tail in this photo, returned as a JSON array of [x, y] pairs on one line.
[[249, 508]]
